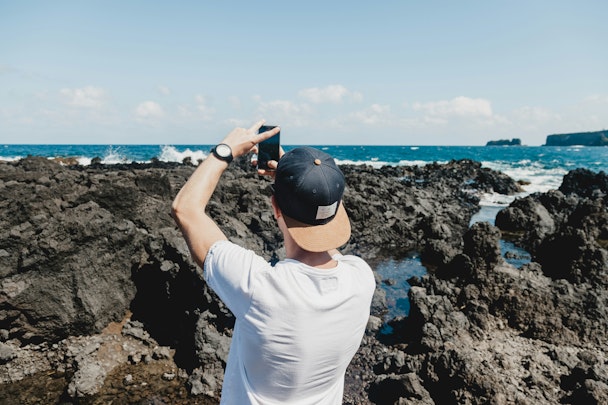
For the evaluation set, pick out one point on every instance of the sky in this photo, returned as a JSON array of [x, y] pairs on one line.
[[328, 72]]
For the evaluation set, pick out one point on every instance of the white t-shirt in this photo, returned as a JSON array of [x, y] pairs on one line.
[[297, 327]]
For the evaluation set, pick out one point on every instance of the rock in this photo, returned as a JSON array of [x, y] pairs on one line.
[[477, 302], [566, 230], [391, 389], [599, 138], [571, 255], [161, 353], [7, 353], [94, 276], [505, 142], [87, 380], [128, 380], [402, 209], [136, 330], [481, 244], [168, 376], [585, 183], [373, 325], [528, 218]]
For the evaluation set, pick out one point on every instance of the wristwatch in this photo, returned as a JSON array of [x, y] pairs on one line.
[[222, 152]]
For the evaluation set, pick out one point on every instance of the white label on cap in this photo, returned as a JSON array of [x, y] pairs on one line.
[[326, 211]]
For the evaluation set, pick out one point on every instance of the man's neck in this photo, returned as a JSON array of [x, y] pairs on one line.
[[320, 260]]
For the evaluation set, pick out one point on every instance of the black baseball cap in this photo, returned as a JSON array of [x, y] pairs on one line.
[[308, 189]]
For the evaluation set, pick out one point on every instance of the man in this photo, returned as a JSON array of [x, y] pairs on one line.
[[299, 323]]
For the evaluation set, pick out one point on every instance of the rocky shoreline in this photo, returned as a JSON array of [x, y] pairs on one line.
[[100, 302]]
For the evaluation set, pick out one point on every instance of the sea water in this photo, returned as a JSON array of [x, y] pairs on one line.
[[542, 167]]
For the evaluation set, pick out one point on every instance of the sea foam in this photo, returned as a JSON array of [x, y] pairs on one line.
[[172, 154]]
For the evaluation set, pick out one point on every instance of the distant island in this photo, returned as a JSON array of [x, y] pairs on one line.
[[505, 142], [598, 138]]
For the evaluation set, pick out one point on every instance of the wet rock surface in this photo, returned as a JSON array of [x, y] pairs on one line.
[[99, 300]]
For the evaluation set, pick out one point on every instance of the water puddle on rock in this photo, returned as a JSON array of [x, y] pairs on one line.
[[394, 275], [514, 255]]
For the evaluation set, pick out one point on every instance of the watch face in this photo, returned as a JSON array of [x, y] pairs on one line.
[[223, 150]]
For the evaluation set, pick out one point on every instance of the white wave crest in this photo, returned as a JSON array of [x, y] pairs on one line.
[[496, 199], [534, 175], [376, 164], [172, 154], [112, 156], [11, 158]]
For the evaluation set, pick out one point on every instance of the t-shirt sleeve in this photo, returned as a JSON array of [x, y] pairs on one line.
[[364, 271], [231, 271]]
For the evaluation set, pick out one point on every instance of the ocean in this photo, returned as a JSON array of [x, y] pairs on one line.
[[541, 168]]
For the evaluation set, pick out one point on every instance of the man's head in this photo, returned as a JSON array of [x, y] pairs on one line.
[[308, 190]]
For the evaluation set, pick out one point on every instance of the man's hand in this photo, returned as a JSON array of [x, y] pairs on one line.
[[243, 141], [272, 164]]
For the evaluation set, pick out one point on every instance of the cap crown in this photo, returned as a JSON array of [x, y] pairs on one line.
[[308, 185]]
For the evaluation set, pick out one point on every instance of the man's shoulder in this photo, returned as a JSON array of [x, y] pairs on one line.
[[226, 254], [228, 247], [354, 261], [363, 269]]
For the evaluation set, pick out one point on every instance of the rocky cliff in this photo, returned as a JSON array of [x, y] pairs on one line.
[[599, 138], [100, 302]]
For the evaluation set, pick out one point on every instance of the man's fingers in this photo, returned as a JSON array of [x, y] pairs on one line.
[[268, 134], [263, 135], [257, 126], [271, 171], [254, 138]]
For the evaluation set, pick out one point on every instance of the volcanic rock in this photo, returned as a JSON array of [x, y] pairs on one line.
[[96, 284]]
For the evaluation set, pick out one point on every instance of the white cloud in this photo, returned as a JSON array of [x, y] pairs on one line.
[[204, 111], [164, 90], [197, 112], [5, 69], [149, 110], [283, 112], [87, 97], [596, 99], [237, 122], [533, 116], [459, 106], [184, 111], [235, 102], [374, 114], [335, 94], [280, 106]]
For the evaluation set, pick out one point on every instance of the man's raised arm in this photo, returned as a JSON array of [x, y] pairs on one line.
[[188, 208]]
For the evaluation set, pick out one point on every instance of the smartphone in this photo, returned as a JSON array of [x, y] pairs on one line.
[[268, 149]]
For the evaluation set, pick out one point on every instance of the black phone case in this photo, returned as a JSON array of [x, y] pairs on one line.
[[268, 149]]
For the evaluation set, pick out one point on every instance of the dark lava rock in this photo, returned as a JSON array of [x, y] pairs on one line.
[[566, 231], [82, 248]]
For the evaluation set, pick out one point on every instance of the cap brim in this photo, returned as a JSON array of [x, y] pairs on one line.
[[320, 238]]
